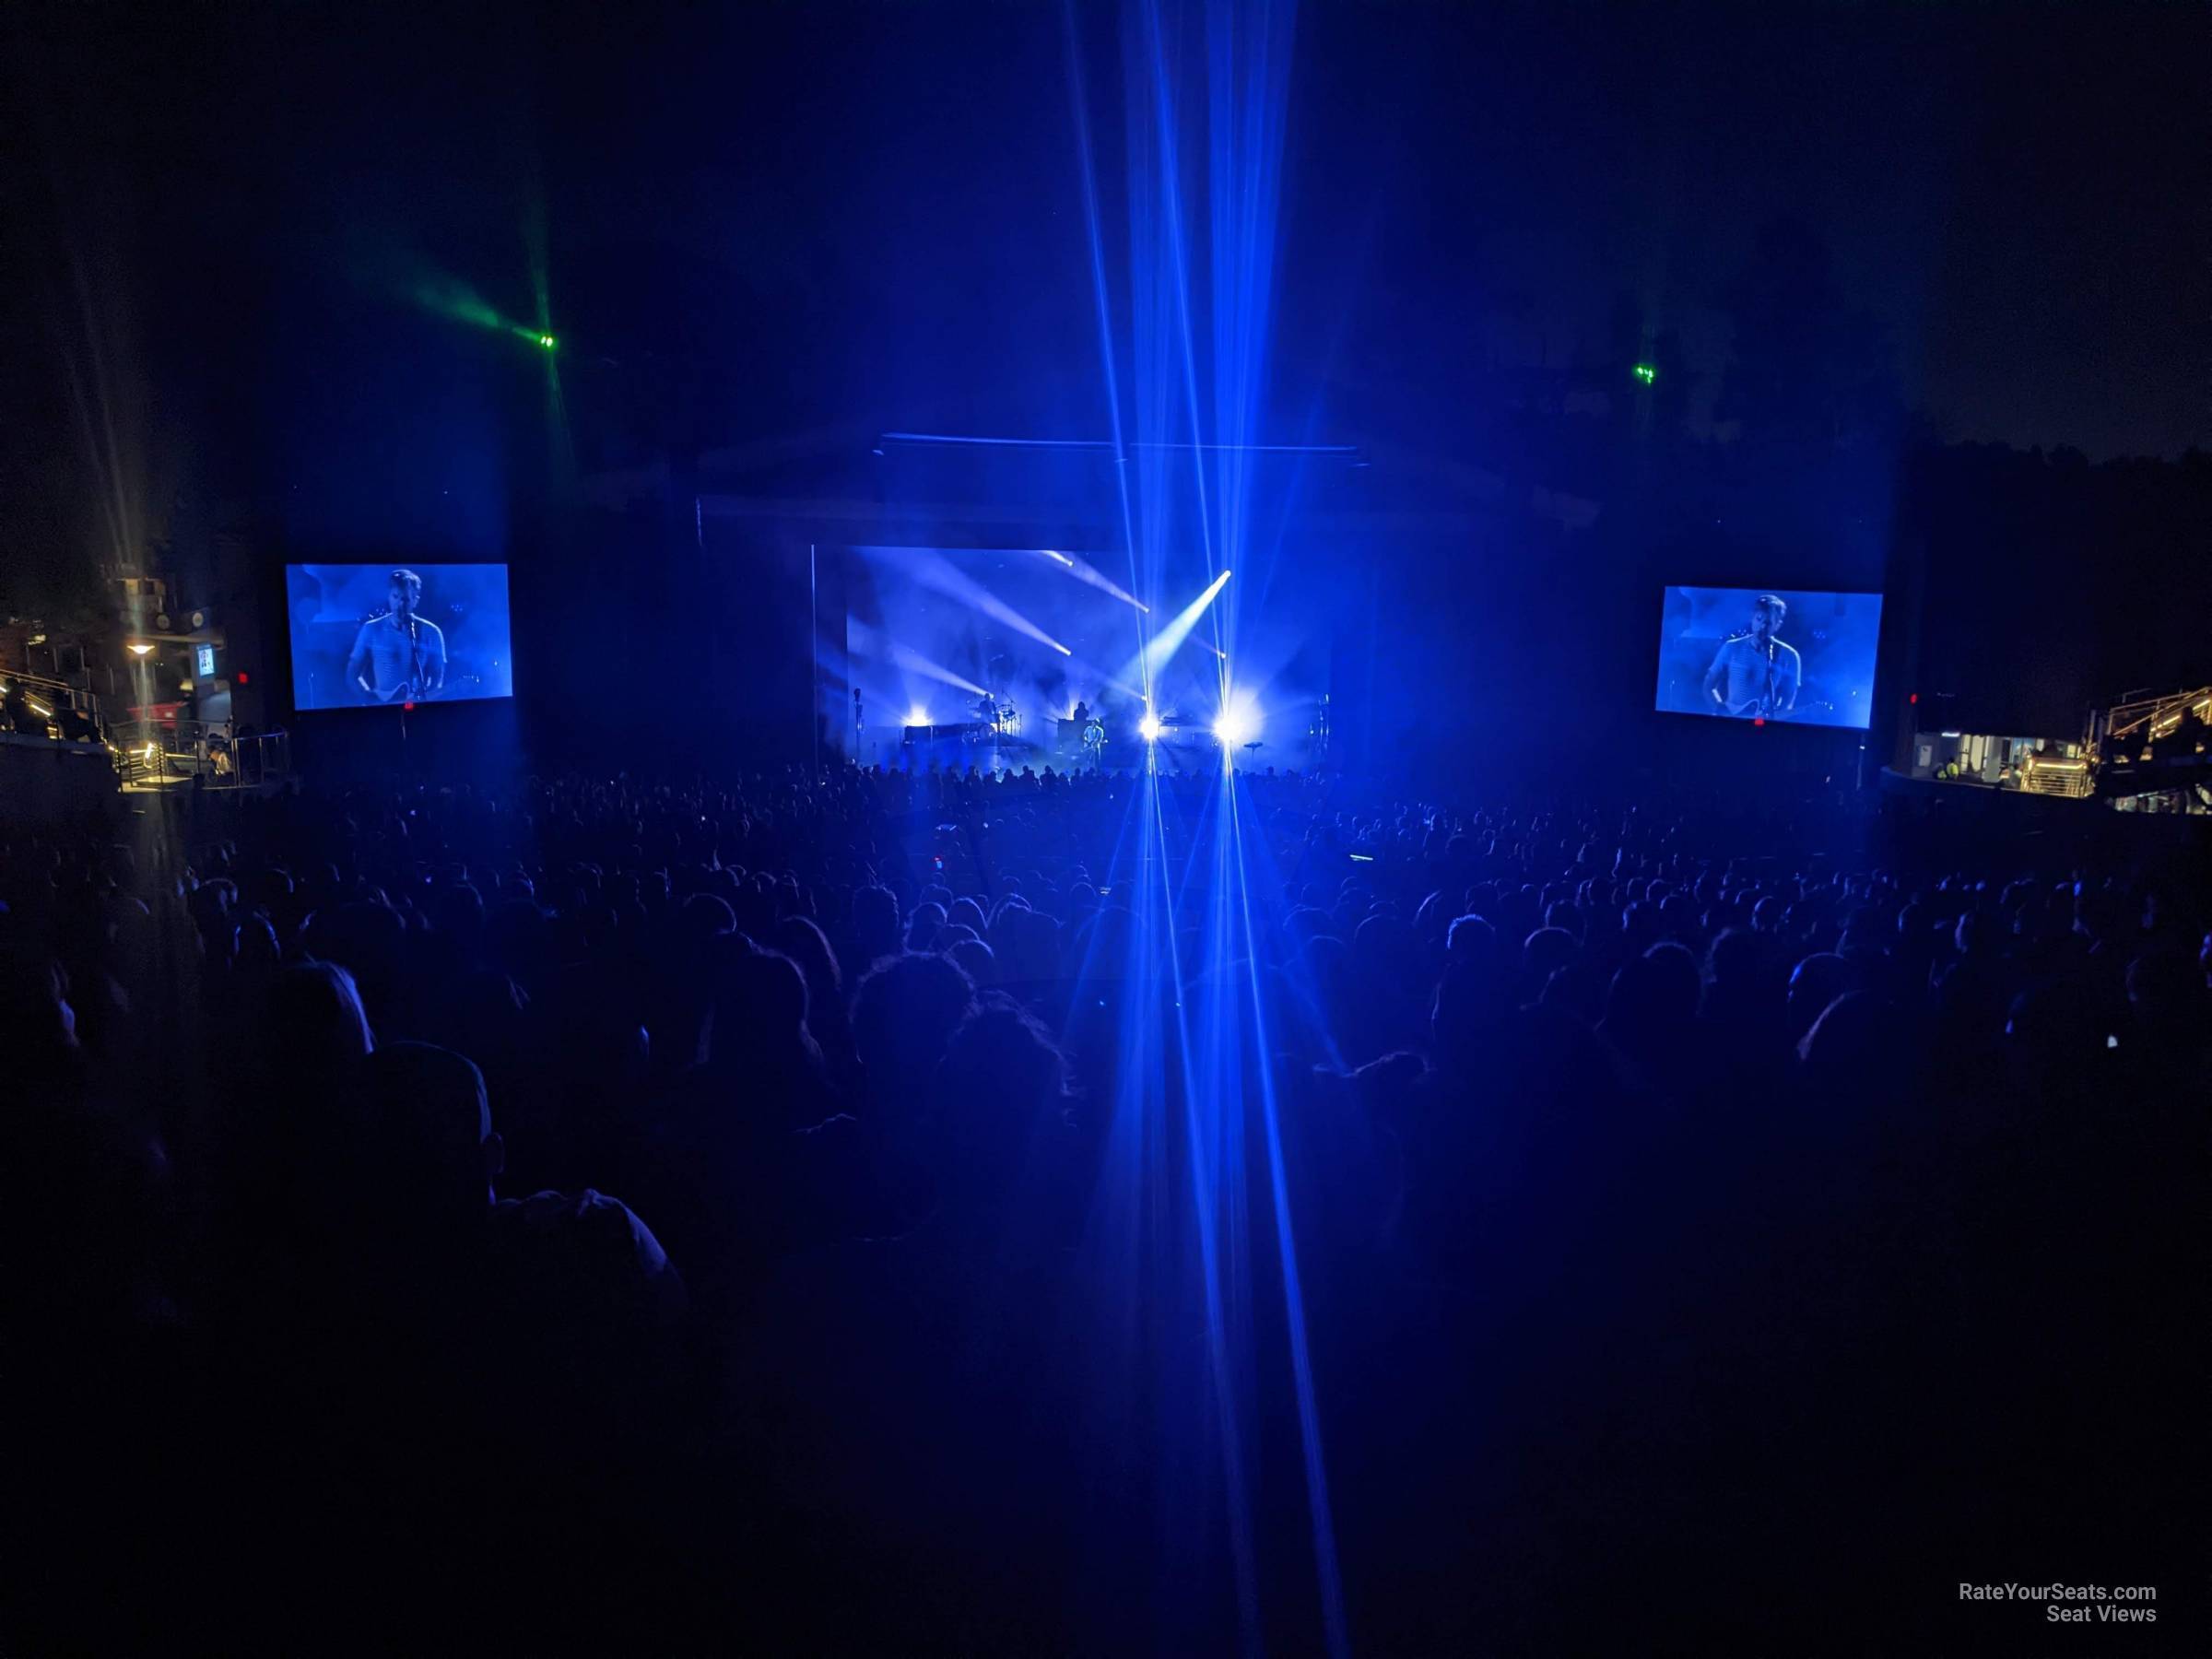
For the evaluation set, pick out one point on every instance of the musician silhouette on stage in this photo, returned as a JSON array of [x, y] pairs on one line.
[[1754, 674], [398, 656]]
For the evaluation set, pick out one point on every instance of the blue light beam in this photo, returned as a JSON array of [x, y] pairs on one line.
[[1156, 653]]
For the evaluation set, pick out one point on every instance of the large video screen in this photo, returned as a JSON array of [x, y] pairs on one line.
[[366, 635], [1770, 654]]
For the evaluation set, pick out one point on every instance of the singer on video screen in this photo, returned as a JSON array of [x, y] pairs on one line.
[[1755, 675], [398, 656]]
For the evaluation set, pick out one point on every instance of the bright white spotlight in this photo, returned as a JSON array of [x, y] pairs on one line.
[[917, 715], [1149, 728], [1148, 663], [1235, 727]]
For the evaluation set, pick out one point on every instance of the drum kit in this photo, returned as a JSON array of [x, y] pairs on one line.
[[1004, 727]]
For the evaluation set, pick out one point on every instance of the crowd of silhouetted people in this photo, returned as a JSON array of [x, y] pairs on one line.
[[933, 1213]]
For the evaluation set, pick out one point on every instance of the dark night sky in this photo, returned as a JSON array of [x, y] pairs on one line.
[[2019, 200], [841, 215]]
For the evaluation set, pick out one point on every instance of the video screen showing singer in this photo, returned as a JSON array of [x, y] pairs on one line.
[[1751, 654], [382, 635], [400, 655], [1754, 674]]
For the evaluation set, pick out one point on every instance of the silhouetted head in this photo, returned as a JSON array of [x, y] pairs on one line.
[[1735, 960], [2101, 913], [802, 940], [2052, 1031], [314, 1027], [1544, 952], [875, 924], [1859, 945], [459, 912], [38, 1028], [758, 1015], [1001, 1081], [368, 937], [706, 917], [1857, 1048], [429, 1143], [1816, 982], [1471, 942], [1654, 995], [1026, 944], [903, 1016], [1383, 946], [2164, 994], [923, 927], [254, 946], [974, 959]]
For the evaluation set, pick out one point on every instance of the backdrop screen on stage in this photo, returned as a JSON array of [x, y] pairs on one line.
[[365, 635], [1771, 653], [1008, 657]]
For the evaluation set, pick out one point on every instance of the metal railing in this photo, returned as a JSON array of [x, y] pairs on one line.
[[259, 758], [150, 752], [165, 751], [2157, 717], [2042, 774], [63, 709]]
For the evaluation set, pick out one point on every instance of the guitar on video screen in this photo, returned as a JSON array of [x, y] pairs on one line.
[[1764, 707], [1776, 689]]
